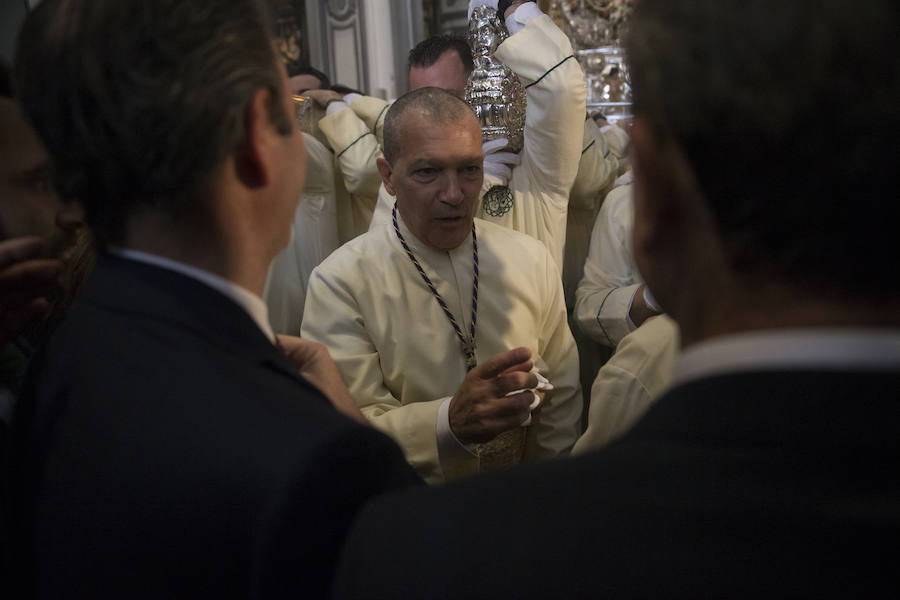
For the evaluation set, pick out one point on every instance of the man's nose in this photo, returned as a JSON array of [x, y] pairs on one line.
[[451, 192], [70, 217]]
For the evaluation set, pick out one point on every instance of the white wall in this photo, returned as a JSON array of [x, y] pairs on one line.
[[381, 78]]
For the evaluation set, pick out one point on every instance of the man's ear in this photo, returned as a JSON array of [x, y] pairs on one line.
[[254, 152], [385, 170], [665, 192]]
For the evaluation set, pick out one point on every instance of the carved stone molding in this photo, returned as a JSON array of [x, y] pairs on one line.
[[337, 40]]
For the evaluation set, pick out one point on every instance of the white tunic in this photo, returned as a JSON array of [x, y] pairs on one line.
[[610, 280], [314, 237], [401, 359], [356, 148], [597, 169], [630, 382]]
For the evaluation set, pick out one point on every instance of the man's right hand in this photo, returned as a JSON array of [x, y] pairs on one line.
[[25, 279], [481, 410]]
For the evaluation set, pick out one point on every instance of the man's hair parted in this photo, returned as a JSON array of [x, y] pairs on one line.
[[434, 104], [428, 51], [138, 102], [787, 113]]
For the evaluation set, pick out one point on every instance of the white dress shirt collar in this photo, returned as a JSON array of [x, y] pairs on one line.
[[823, 349], [246, 299]]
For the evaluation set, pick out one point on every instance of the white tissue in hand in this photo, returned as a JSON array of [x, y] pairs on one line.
[[544, 385]]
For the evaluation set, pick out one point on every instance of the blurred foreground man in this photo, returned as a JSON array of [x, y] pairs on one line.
[[164, 445], [770, 469]]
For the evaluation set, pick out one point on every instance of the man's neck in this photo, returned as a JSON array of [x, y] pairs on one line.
[[198, 247], [775, 307]]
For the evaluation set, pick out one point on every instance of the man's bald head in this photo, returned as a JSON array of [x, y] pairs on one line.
[[434, 104]]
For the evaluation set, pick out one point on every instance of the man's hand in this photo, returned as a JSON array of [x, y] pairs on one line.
[[25, 278], [498, 165], [318, 368], [640, 310], [322, 97], [481, 410]]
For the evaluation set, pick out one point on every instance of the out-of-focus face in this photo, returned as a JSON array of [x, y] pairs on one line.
[[437, 178], [291, 172], [28, 203], [446, 73], [301, 83]]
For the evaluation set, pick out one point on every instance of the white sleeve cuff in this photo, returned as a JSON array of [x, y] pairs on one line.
[[334, 107], [351, 97], [517, 21], [448, 444]]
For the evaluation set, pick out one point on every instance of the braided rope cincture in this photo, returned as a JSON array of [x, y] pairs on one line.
[[468, 345]]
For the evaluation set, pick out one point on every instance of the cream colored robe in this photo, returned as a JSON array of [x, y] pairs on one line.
[[314, 237], [597, 169], [603, 297], [554, 129], [630, 382], [399, 356], [356, 148]]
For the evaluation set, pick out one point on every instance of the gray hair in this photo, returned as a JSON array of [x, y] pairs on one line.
[[435, 104]]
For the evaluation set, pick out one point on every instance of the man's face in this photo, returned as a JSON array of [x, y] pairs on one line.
[[446, 73], [28, 202], [301, 83], [437, 178]]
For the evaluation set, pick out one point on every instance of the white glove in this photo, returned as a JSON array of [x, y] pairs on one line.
[[473, 4], [498, 165]]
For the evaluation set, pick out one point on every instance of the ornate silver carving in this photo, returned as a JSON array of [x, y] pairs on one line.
[[595, 28], [494, 92]]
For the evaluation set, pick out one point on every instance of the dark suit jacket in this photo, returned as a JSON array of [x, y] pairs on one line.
[[163, 447], [754, 485]]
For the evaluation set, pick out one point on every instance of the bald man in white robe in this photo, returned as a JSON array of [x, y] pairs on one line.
[[396, 347]]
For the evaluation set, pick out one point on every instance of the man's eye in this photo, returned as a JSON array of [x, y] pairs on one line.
[[472, 170], [425, 172]]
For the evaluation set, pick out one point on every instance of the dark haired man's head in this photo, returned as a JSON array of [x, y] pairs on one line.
[[139, 103], [443, 61], [304, 78], [433, 165], [788, 130]]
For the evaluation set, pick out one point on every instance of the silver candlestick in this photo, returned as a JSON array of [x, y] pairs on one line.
[[496, 95]]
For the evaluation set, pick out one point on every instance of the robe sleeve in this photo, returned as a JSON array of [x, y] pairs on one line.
[[597, 170], [541, 55], [333, 317], [372, 112], [630, 382], [610, 280], [558, 423], [356, 149]]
